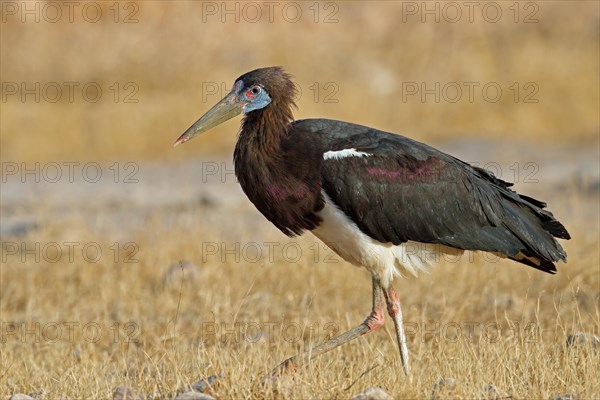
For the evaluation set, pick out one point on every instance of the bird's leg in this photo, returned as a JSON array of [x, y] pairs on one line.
[[374, 321], [395, 311]]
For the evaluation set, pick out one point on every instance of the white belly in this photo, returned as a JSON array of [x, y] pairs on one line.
[[385, 260]]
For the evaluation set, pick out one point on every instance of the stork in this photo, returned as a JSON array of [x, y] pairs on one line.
[[379, 200]]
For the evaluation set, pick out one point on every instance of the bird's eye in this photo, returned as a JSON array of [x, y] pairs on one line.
[[253, 91]]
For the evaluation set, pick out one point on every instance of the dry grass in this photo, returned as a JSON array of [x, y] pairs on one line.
[[477, 322]]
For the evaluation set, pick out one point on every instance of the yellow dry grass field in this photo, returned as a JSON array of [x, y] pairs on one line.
[[198, 289], [125, 262]]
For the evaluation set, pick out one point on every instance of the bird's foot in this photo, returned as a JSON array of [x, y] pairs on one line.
[[376, 319], [286, 369]]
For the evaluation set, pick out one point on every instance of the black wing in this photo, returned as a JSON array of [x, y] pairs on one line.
[[405, 190]]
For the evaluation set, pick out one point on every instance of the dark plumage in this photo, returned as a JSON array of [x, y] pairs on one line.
[[405, 191], [367, 193], [410, 191]]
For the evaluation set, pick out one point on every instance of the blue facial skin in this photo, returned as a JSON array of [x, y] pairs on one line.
[[256, 97]]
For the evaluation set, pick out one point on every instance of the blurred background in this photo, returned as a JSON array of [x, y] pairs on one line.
[[93, 95], [122, 81]]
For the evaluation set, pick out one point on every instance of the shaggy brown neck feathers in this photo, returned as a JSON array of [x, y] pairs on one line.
[[263, 130]]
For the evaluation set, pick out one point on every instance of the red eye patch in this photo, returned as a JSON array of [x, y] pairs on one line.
[[250, 94]]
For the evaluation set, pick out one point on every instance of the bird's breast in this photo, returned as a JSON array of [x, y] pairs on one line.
[[285, 195]]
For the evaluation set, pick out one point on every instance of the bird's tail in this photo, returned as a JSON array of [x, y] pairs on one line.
[[537, 229], [533, 229]]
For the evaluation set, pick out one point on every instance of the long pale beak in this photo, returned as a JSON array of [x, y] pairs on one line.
[[225, 109]]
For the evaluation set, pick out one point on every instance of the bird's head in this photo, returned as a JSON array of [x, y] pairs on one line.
[[254, 90]]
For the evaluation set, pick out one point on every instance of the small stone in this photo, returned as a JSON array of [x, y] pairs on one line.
[[206, 200], [582, 339], [566, 396], [445, 384], [127, 393], [492, 392], [18, 229], [373, 393], [193, 396], [20, 396], [442, 387], [206, 383], [202, 385]]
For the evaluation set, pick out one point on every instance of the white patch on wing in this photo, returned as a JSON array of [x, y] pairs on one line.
[[336, 155], [386, 260]]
